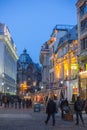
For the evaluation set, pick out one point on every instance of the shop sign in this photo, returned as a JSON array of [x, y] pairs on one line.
[[74, 66]]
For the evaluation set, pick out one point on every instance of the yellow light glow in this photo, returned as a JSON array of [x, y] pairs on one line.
[[67, 73], [74, 66], [23, 86]]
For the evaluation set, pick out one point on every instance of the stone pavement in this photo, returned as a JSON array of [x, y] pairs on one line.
[[27, 119]]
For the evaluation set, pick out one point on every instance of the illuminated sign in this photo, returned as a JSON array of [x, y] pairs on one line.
[[74, 66]]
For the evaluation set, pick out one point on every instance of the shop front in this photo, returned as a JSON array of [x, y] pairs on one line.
[[83, 84], [73, 90]]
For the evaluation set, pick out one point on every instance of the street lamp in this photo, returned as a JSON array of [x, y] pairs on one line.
[[41, 87], [61, 82]]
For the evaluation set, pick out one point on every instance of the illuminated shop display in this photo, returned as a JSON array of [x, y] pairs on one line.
[[75, 90], [58, 69], [66, 69], [74, 68]]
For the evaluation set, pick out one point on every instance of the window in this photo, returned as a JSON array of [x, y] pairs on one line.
[[84, 25], [83, 10], [84, 43]]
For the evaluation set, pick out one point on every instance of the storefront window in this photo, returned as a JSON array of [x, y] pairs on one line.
[[75, 90], [66, 69], [83, 88], [74, 68], [58, 70]]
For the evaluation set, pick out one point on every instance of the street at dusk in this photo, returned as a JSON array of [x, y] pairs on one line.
[[27, 119], [43, 64]]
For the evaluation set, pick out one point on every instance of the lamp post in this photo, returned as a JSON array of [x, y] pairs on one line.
[[3, 89], [61, 92]]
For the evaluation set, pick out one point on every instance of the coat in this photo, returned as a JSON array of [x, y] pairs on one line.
[[78, 105], [51, 107]]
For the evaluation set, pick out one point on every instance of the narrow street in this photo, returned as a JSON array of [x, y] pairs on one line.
[[27, 119]]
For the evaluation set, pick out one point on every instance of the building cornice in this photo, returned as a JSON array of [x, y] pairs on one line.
[[8, 43]]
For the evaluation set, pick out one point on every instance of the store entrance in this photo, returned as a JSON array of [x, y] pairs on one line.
[[83, 88]]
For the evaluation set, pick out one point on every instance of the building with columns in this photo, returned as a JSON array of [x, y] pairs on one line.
[[82, 40], [58, 32], [52, 58], [66, 64], [8, 61]]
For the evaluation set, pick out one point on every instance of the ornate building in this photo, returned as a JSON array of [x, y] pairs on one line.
[[28, 75], [66, 64], [58, 32], [57, 56]]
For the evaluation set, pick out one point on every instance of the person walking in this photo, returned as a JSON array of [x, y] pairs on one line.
[[51, 110], [78, 107], [62, 105]]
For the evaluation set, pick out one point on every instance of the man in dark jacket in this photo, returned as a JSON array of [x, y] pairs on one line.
[[78, 107], [51, 110]]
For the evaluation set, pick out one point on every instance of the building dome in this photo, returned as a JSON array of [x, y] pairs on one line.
[[25, 58]]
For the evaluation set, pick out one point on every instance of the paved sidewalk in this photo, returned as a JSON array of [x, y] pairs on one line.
[[27, 119]]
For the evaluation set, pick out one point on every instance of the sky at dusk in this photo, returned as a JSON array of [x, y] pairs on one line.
[[31, 21]]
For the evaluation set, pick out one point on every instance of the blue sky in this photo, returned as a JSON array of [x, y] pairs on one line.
[[31, 21]]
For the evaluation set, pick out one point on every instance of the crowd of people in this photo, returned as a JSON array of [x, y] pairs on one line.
[[15, 102], [79, 106], [51, 106]]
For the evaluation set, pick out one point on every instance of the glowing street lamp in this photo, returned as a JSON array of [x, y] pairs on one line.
[[41, 87]]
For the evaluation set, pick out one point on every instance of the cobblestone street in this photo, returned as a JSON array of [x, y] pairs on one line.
[[27, 119]]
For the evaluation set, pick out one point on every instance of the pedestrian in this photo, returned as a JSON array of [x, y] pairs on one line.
[[62, 105], [5, 101], [78, 107], [15, 103], [86, 106], [66, 102], [66, 108], [51, 110], [19, 103], [23, 103]]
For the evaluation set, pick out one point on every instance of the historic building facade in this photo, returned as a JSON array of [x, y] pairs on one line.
[[68, 57], [28, 75], [66, 64], [82, 40], [58, 32], [8, 61], [60, 55]]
